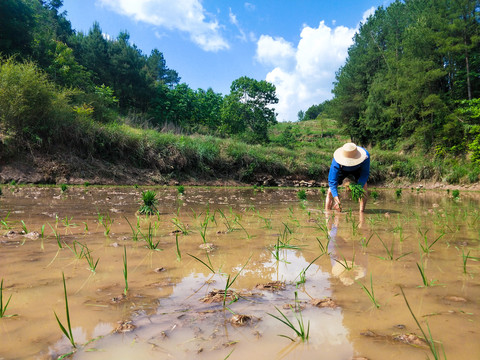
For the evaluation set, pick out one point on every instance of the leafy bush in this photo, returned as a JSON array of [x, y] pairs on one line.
[[30, 106]]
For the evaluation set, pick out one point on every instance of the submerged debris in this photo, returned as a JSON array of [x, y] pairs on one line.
[[409, 339], [455, 299], [241, 320], [272, 286], [219, 295], [322, 303], [124, 326], [34, 235], [118, 299], [207, 246]]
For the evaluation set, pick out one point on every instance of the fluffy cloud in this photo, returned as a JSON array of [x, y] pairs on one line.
[[303, 74], [184, 15]]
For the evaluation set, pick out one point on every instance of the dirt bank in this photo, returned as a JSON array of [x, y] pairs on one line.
[[36, 168]]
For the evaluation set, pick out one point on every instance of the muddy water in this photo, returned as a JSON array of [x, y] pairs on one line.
[[163, 315]]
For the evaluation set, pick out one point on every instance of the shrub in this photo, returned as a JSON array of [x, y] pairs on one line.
[[30, 106]]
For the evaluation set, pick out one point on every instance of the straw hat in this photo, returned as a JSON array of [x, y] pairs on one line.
[[349, 155]]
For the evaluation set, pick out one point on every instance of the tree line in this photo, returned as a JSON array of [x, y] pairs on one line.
[[108, 77], [412, 77]]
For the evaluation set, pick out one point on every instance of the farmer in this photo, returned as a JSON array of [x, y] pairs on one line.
[[348, 161]]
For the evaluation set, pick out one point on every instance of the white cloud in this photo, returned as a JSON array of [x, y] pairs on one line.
[[303, 75], [234, 21], [275, 51], [184, 15], [367, 14]]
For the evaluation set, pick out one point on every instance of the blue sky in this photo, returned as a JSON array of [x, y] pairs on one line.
[[296, 45]]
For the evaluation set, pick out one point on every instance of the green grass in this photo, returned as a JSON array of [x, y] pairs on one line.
[[370, 293], [300, 330], [149, 203]]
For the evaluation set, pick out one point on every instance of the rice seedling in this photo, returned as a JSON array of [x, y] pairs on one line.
[[398, 193], [5, 223], [364, 241], [302, 276], [24, 227], [68, 333], [390, 251], [302, 195], [465, 258], [227, 223], [357, 191], [134, 232], [423, 243], [243, 228], [181, 189], [57, 236], [429, 339], [370, 293], [63, 187], [148, 237], [67, 222], [91, 263], [323, 247], [106, 222], [149, 203], [209, 265], [300, 330], [78, 252], [3, 308], [85, 226], [323, 191], [425, 281], [374, 195], [229, 284], [42, 231], [347, 265], [455, 194], [179, 255], [125, 270], [180, 225]]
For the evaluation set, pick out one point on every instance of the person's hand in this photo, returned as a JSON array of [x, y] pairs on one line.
[[337, 205]]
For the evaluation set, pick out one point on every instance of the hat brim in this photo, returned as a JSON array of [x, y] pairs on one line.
[[342, 160]]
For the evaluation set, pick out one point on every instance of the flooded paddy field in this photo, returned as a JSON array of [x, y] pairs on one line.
[[219, 271]]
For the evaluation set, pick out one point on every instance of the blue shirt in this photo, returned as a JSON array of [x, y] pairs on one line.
[[335, 172]]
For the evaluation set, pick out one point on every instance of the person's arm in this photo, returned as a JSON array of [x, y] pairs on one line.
[[333, 178]]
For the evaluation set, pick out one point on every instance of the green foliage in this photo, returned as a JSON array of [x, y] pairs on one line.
[[3, 308], [180, 189], [357, 192], [456, 194], [30, 106], [411, 70], [302, 194], [149, 202], [247, 108]]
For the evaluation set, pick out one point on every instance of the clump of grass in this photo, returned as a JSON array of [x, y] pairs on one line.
[[374, 195], [455, 194], [398, 193], [63, 187], [357, 191], [68, 333], [149, 203], [181, 189], [302, 194]]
